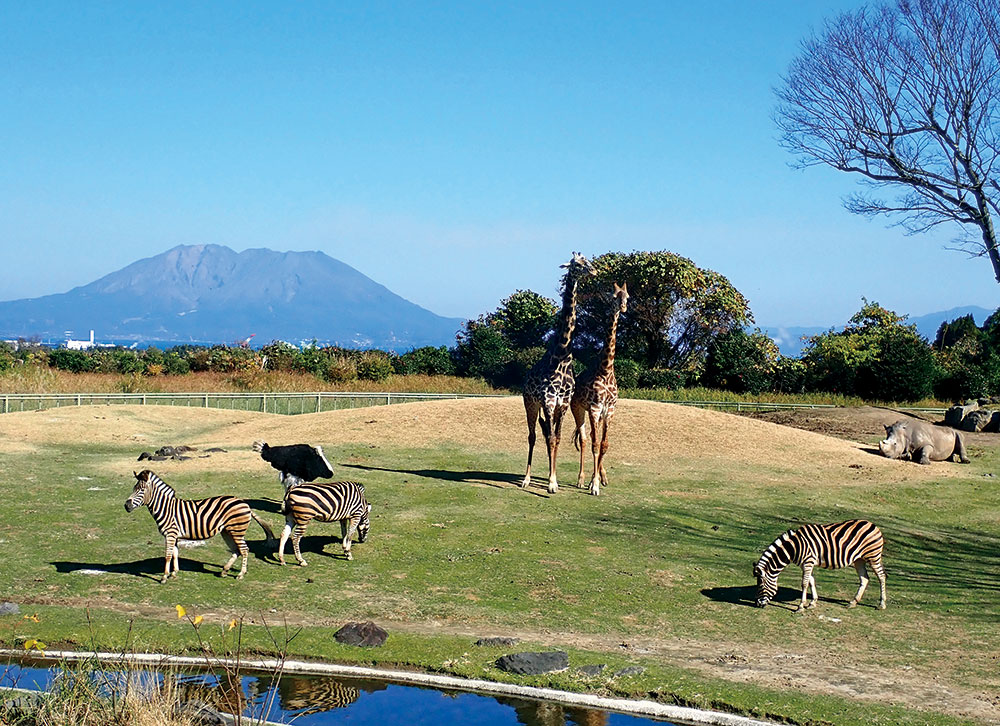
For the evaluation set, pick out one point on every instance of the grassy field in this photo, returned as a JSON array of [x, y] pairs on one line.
[[654, 572]]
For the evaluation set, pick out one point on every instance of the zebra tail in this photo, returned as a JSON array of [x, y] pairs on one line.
[[267, 529]]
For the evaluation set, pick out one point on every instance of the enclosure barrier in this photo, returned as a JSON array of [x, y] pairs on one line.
[[297, 403]]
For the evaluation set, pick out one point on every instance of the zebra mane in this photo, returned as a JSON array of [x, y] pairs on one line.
[[158, 484], [778, 545]]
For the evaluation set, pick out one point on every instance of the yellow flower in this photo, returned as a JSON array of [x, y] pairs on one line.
[[36, 644], [181, 612], [198, 619], [33, 618], [232, 623]]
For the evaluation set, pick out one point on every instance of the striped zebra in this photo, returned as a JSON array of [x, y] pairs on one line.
[[342, 501], [831, 546], [194, 519]]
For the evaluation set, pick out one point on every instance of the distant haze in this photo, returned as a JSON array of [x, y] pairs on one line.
[[209, 293]]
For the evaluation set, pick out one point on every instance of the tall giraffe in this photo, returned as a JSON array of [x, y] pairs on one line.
[[548, 388], [596, 396]]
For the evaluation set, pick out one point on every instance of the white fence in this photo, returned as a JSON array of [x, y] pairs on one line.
[[296, 403]]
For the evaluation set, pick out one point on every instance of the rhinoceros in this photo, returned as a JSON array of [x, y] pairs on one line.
[[922, 442]]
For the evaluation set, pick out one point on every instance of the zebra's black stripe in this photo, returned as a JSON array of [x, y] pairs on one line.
[[327, 502], [194, 519], [831, 546]]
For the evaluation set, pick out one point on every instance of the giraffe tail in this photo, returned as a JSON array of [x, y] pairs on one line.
[[578, 437]]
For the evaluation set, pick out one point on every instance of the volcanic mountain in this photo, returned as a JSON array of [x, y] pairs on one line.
[[211, 294]]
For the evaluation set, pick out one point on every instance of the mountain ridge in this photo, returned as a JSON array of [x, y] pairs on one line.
[[210, 292]]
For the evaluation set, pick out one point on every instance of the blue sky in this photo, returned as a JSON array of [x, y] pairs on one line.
[[454, 152]]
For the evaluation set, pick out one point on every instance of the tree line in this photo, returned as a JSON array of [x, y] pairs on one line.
[[685, 326]]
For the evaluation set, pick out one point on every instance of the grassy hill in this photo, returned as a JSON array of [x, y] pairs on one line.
[[655, 572]]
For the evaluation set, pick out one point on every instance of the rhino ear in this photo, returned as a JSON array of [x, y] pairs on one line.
[[888, 429]]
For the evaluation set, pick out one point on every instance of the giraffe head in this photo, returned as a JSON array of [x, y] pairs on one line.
[[579, 266], [621, 296]]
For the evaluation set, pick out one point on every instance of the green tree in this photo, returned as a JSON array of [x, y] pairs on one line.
[[524, 319], [741, 362], [675, 308], [483, 352], [952, 332]]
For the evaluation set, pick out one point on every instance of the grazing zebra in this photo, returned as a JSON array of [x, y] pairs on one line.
[[194, 519], [328, 502], [830, 546]]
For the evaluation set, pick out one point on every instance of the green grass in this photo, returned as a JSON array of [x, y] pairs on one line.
[[664, 555], [697, 393]]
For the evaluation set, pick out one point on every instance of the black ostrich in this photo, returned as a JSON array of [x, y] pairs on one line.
[[295, 463]]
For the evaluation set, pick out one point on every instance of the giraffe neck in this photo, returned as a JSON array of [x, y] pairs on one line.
[[607, 366], [567, 321]]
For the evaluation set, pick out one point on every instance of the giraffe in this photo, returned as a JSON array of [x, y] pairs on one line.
[[596, 396], [548, 388]]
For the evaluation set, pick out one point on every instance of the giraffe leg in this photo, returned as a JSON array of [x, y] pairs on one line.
[[595, 424], [552, 438], [531, 408], [604, 449], [579, 419], [863, 577]]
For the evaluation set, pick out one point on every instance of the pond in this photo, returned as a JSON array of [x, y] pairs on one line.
[[320, 701]]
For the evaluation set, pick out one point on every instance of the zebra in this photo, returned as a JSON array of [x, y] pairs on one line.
[[831, 546], [194, 519], [328, 502]]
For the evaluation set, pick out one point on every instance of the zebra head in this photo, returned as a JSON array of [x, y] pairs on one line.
[[767, 583], [142, 491], [365, 524]]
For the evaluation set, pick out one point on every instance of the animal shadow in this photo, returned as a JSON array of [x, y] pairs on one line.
[[746, 595], [273, 506], [151, 567], [498, 479]]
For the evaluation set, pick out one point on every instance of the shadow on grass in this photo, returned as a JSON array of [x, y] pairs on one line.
[[265, 505], [746, 595], [488, 478]]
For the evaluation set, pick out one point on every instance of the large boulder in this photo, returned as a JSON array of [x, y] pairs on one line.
[[365, 635], [922, 442], [955, 415], [534, 664], [981, 419]]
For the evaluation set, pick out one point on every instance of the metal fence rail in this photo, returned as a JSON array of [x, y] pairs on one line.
[[297, 403], [285, 403]]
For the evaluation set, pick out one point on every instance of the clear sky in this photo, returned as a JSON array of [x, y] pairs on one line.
[[453, 152]]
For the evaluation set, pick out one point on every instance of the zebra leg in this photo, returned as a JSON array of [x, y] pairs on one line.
[[348, 527], [880, 574], [234, 548], [863, 577], [170, 555], [806, 581], [284, 538], [300, 529]]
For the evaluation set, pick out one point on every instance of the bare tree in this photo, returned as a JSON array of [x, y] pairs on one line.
[[907, 96]]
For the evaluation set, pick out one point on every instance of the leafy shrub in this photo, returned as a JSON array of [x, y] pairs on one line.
[[667, 378], [428, 360], [280, 356], [373, 365], [902, 368], [516, 369], [627, 373], [127, 361], [741, 362], [483, 352], [175, 364], [340, 369], [74, 361], [789, 375]]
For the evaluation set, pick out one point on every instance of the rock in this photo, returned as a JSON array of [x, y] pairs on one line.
[[977, 420], [22, 708], [144, 455], [956, 414], [629, 671], [200, 713], [533, 664], [592, 670], [499, 642], [216, 450], [365, 635], [9, 608]]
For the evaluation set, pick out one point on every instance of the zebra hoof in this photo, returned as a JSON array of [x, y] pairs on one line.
[[239, 576], [348, 555], [852, 604], [881, 606], [302, 563]]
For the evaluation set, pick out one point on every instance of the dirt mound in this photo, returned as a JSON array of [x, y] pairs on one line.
[[642, 432]]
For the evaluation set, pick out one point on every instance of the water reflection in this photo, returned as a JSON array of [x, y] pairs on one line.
[[312, 701]]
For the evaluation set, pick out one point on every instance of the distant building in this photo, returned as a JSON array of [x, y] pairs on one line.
[[81, 344]]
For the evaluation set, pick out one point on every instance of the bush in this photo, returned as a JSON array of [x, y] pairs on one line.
[[627, 373], [340, 369], [741, 362], [74, 361], [903, 368], [666, 378], [428, 360], [175, 364], [280, 356], [373, 365], [789, 375], [483, 352]]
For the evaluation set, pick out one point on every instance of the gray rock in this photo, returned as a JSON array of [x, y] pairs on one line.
[[977, 420], [592, 670], [629, 671], [499, 642], [9, 608], [956, 414], [200, 713], [22, 707], [365, 635], [144, 455], [533, 664]]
